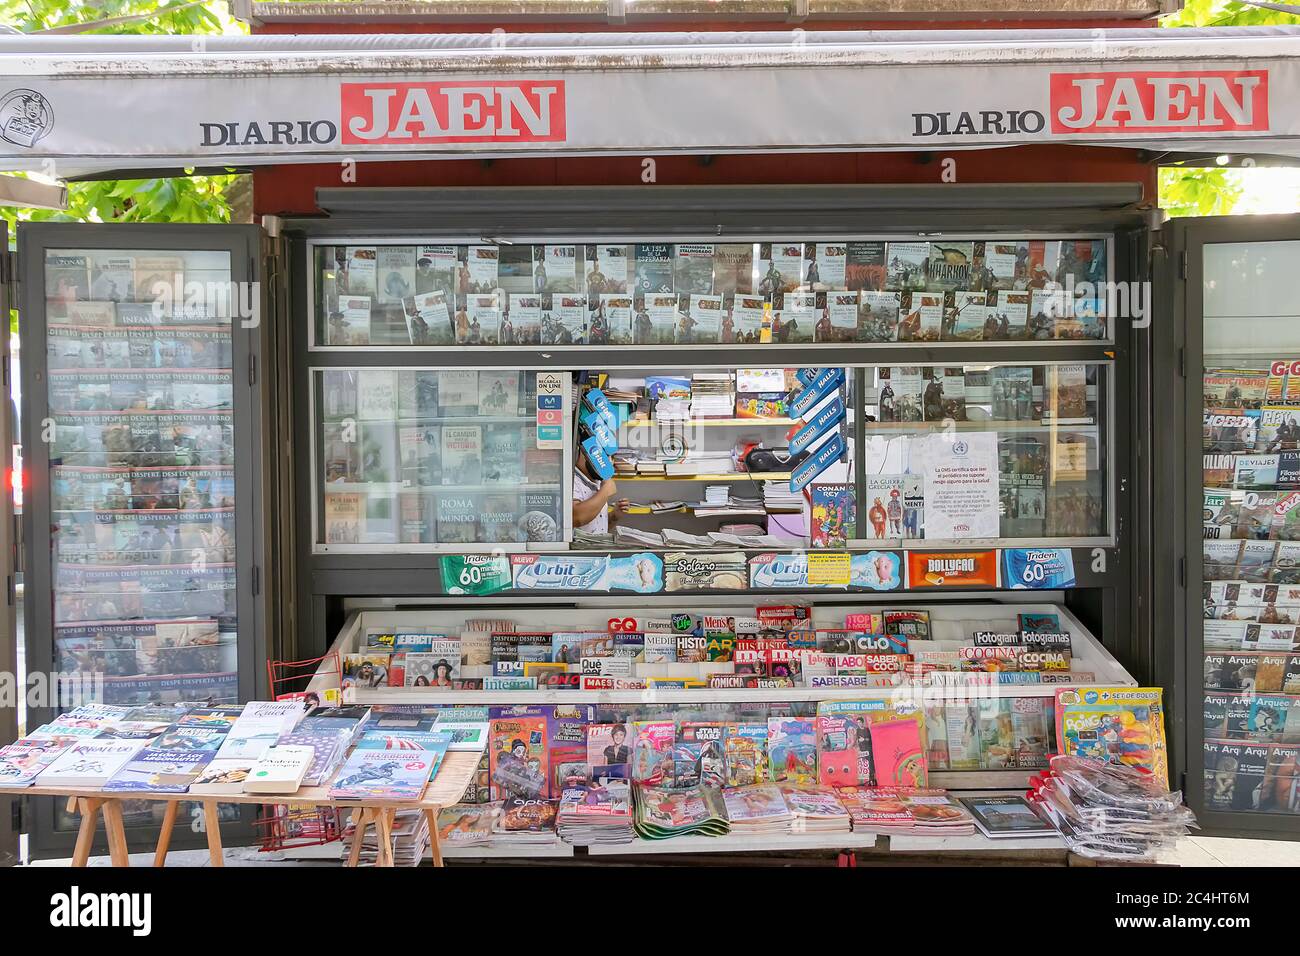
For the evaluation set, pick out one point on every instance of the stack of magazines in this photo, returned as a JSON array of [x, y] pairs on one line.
[[757, 809], [816, 810], [661, 814], [903, 810], [712, 395], [468, 824], [1109, 811], [777, 496], [410, 838], [525, 822], [591, 815]]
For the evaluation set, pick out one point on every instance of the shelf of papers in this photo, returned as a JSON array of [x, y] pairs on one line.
[[1089, 656]]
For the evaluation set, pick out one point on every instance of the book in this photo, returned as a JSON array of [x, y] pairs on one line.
[[921, 317], [733, 268], [949, 266], [462, 449], [171, 762], [382, 776], [780, 267], [280, 769], [503, 455], [906, 265], [457, 517], [90, 763], [967, 318], [349, 323], [693, 265], [1004, 817], [833, 515], [654, 268], [607, 268], [394, 273], [225, 775]]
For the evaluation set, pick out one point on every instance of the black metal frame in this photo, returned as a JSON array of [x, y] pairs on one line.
[[246, 259], [1105, 601], [8, 626], [1183, 469]]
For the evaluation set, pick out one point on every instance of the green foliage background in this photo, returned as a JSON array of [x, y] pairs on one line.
[[1192, 191], [1183, 191], [186, 199]]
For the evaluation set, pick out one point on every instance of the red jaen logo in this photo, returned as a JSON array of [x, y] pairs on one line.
[[1160, 102], [480, 111]]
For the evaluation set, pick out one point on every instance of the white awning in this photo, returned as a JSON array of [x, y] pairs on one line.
[[147, 102]]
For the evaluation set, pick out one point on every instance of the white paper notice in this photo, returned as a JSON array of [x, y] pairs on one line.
[[961, 485]]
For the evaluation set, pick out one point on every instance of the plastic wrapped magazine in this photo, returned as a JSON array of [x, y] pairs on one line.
[[1110, 811]]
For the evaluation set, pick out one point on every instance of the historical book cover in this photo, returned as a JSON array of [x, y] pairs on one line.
[[864, 267], [906, 265], [462, 455], [693, 268]]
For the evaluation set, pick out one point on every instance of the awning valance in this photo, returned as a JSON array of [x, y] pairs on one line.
[[143, 102]]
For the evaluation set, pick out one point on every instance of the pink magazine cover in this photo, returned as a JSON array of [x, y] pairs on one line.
[[899, 756]]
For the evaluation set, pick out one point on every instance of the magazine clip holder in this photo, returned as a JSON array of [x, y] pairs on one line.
[[282, 675]]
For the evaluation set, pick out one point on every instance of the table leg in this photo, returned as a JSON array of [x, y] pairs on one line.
[[384, 836], [89, 810], [165, 834], [117, 848], [435, 844], [360, 818], [212, 823]]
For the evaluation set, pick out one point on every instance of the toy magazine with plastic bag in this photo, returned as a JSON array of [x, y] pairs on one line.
[[1123, 725]]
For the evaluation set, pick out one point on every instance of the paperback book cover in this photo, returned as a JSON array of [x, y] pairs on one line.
[[906, 265], [833, 513], [949, 267], [383, 775], [864, 267]]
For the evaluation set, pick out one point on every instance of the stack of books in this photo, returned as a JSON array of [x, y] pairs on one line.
[[330, 736], [757, 809], [712, 395], [596, 814]]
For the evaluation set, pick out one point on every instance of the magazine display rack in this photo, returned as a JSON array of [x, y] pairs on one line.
[[950, 621]]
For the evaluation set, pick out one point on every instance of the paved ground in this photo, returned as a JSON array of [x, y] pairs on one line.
[[1195, 851]]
